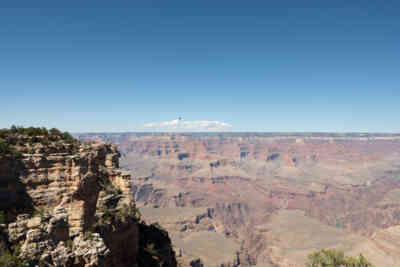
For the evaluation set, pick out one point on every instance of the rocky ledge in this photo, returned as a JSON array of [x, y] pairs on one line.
[[66, 203]]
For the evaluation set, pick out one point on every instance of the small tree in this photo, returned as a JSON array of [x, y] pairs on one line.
[[68, 137], [13, 129], [55, 131]]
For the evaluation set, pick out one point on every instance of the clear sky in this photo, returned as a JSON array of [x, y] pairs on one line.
[[255, 65]]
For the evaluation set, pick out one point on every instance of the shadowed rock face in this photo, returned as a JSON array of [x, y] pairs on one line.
[[244, 186], [74, 207], [13, 195]]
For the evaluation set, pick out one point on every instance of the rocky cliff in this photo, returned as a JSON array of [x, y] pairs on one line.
[[66, 203]]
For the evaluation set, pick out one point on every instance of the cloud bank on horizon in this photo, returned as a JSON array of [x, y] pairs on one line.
[[183, 125]]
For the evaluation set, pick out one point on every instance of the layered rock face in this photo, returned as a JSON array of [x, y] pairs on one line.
[[267, 199], [71, 205]]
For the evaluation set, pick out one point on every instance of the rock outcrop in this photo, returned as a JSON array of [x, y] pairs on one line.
[[69, 204]]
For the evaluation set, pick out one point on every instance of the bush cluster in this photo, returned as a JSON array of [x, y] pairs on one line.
[[89, 235], [11, 138], [5, 148], [52, 134], [335, 258], [109, 188], [10, 258]]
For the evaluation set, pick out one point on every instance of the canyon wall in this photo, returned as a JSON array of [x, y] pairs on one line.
[[69, 204]]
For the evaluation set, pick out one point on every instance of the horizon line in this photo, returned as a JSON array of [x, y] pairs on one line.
[[238, 132]]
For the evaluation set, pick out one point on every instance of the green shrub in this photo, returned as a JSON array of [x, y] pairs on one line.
[[55, 132], [107, 214], [150, 248], [118, 191], [69, 243], [7, 149], [3, 217], [7, 259], [88, 235], [335, 258], [10, 259], [39, 212], [34, 132], [67, 137], [107, 186], [123, 213]]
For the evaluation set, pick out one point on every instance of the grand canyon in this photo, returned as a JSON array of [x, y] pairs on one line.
[[266, 199], [207, 133]]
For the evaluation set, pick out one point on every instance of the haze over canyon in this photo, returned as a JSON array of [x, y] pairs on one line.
[[267, 199]]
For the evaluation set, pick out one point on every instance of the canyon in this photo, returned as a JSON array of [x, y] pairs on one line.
[[266, 199]]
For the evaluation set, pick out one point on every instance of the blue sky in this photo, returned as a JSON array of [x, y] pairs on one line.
[[253, 65]]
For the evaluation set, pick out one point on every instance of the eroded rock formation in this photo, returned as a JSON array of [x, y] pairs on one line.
[[69, 204], [267, 199]]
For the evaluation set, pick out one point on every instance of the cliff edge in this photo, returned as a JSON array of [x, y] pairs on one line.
[[67, 203]]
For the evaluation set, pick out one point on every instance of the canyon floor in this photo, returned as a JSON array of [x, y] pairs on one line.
[[243, 199]]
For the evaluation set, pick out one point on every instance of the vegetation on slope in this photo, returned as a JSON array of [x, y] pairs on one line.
[[37, 133], [9, 257], [8, 254], [17, 140], [155, 247], [334, 258]]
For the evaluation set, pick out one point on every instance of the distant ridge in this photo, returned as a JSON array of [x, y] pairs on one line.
[[243, 134]]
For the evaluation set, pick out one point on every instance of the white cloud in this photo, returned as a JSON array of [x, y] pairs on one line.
[[182, 125]]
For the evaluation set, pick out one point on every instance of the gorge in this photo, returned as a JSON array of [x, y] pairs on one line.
[[267, 199], [196, 199]]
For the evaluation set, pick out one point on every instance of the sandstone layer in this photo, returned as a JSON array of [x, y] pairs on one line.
[[69, 204]]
